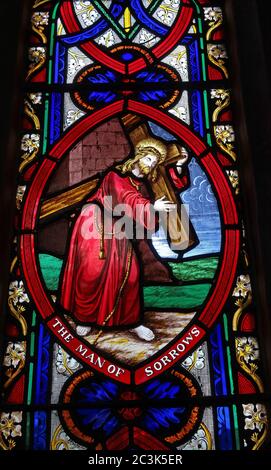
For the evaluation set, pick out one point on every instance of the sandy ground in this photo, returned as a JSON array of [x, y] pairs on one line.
[[129, 349]]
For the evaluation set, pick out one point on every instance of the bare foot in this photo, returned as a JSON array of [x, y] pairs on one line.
[[82, 330], [143, 332]]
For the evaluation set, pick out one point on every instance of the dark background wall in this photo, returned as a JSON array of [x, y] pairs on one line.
[[248, 21], [251, 58]]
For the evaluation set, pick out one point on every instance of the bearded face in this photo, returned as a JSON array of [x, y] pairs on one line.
[[147, 163]]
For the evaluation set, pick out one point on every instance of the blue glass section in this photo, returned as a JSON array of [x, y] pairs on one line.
[[99, 419], [162, 418], [147, 20], [40, 431], [187, 39], [116, 9], [156, 95], [224, 434], [59, 62], [98, 392], [152, 77], [105, 77], [42, 368], [194, 61], [55, 118], [218, 362], [203, 212], [102, 96], [161, 132], [197, 112], [127, 56], [156, 418], [159, 390]]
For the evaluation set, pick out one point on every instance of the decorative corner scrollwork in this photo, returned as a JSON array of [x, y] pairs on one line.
[[17, 297], [37, 57], [30, 112], [30, 145], [59, 442], [39, 21], [217, 55], [223, 100], [214, 17], [256, 421], [225, 137], [242, 305], [14, 360], [247, 351], [10, 428]]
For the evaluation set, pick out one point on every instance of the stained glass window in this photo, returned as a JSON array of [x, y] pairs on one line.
[[147, 342]]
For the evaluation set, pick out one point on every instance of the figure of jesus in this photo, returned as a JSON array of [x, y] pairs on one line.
[[103, 289]]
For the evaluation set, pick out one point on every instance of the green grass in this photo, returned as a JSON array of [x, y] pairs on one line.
[[176, 297], [193, 270], [50, 267], [168, 296]]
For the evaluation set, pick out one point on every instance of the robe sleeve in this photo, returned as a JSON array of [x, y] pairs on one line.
[[136, 207], [181, 181]]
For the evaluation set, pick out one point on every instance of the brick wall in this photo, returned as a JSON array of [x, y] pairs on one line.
[[97, 151]]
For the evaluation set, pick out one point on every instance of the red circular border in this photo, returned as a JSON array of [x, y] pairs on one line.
[[229, 216]]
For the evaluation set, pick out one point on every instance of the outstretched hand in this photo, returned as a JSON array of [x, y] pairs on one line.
[[163, 205]]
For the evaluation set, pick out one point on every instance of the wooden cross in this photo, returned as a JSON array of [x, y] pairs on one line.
[[179, 229]]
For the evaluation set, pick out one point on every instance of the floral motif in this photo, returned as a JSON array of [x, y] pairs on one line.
[[40, 18], [222, 100], [195, 360], [178, 60], [36, 55], [72, 116], [17, 292], [180, 112], [10, 424], [234, 179], [198, 442], [212, 14], [36, 98], [19, 196], [146, 38], [217, 54], [87, 12], [108, 39], [90, 17], [256, 416], [61, 441], [247, 348], [30, 143], [243, 286], [218, 51], [65, 364], [219, 94], [15, 353], [225, 138], [75, 64], [225, 134], [167, 11]]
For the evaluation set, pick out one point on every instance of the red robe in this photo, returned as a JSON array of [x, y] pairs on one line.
[[105, 292]]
